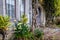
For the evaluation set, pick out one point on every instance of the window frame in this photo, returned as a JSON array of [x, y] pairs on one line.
[[6, 8]]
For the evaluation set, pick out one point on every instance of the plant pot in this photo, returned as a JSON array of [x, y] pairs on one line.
[[19, 38], [4, 28], [2, 32]]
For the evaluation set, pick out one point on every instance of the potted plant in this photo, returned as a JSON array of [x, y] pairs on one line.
[[22, 31], [4, 22], [38, 34]]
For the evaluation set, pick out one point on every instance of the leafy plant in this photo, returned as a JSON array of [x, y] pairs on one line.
[[22, 28], [52, 7], [38, 33], [24, 19], [49, 7], [4, 22], [57, 7]]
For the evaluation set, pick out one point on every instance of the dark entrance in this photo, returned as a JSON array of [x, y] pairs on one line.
[[38, 18]]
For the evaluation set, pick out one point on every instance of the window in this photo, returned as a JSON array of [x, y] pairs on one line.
[[30, 12], [22, 6], [10, 8]]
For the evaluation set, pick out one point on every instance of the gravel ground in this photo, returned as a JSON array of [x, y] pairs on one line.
[[0, 37], [51, 34]]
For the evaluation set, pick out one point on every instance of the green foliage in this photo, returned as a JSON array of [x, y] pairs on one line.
[[23, 31], [52, 7], [22, 28], [24, 19], [4, 21], [38, 33], [57, 7], [49, 7], [58, 26]]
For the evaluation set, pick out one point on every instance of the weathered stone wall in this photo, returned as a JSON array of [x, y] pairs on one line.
[[1, 7]]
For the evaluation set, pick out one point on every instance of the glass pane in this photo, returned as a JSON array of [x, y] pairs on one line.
[[10, 8], [21, 6]]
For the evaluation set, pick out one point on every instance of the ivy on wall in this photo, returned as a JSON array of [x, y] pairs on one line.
[[52, 7], [57, 7], [49, 7]]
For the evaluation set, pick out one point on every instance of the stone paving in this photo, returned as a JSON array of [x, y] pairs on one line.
[[49, 33], [52, 34], [0, 37], [8, 36]]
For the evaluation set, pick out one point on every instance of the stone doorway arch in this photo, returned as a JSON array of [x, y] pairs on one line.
[[38, 15], [41, 14]]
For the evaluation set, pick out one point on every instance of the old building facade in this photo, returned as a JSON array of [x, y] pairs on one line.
[[15, 8]]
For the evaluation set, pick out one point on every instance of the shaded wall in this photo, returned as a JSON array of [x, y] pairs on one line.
[[1, 7]]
